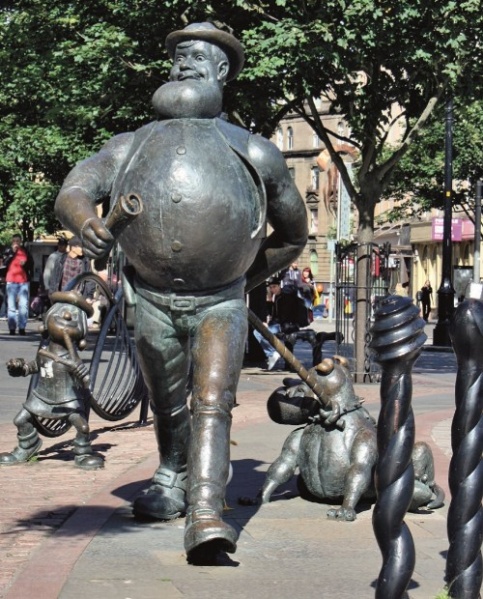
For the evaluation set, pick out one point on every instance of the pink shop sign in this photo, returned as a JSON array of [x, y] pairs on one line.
[[437, 233]]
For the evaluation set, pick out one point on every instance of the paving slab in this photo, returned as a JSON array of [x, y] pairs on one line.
[[68, 534]]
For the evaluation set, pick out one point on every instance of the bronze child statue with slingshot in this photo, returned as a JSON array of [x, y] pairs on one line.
[[63, 387]]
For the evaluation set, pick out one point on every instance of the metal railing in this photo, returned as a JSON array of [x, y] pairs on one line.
[[348, 291]]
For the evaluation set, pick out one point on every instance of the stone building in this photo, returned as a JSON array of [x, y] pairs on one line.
[[318, 182], [416, 246]]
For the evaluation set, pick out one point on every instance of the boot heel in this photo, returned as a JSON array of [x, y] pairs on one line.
[[206, 535]]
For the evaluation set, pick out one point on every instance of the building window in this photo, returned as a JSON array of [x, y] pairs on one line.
[[314, 263], [291, 170], [290, 138], [315, 140], [314, 221], [280, 138], [314, 177]]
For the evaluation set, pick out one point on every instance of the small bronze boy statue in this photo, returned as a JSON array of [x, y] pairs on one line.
[[63, 386]]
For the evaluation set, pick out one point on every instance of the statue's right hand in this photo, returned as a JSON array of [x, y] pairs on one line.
[[97, 240], [16, 367]]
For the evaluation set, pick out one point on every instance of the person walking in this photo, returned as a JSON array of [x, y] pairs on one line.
[[19, 269], [292, 275], [308, 288], [273, 323], [3, 290], [51, 261], [69, 265], [426, 297]]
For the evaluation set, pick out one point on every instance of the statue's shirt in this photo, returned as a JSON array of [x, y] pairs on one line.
[[202, 208]]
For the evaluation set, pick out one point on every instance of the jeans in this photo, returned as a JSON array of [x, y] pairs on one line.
[[18, 305], [268, 350]]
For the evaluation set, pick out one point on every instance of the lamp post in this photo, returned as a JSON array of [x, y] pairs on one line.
[[446, 290], [476, 263]]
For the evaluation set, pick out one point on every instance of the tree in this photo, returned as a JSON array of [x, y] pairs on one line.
[[383, 64], [73, 74], [411, 56], [86, 66], [419, 177]]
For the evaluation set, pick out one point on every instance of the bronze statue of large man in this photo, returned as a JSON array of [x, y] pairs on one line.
[[209, 188]]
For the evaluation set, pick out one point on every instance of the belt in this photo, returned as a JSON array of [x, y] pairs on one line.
[[177, 302]]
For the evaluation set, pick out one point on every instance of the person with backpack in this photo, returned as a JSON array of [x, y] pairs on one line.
[[426, 295]]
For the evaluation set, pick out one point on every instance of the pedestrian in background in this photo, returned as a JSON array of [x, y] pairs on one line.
[[292, 276], [426, 296], [19, 271], [68, 265], [273, 323], [52, 259], [3, 290], [308, 288]]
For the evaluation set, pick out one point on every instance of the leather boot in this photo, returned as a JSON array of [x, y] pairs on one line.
[[205, 533], [28, 445], [165, 499]]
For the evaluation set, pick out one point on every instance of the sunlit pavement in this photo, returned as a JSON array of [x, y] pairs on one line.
[[68, 533]]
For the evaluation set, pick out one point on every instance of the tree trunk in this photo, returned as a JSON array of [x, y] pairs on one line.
[[365, 236]]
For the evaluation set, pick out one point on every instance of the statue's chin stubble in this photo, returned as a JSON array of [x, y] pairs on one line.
[[187, 99]]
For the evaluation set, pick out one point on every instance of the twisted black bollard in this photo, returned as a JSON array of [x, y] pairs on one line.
[[465, 514], [397, 339]]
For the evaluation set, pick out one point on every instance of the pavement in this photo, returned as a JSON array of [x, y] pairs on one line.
[[70, 534]]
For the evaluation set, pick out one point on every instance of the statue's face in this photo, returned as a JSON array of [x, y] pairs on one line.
[[199, 61], [63, 318]]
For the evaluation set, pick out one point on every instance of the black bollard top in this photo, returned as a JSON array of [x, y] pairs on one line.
[[398, 330]]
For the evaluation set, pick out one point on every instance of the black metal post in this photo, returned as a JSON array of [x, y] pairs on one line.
[[476, 255], [446, 290], [397, 340], [464, 564]]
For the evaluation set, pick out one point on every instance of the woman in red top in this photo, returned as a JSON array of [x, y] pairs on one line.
[[19, 265]]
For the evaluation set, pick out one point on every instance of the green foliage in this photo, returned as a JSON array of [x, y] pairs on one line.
[[76, 73], [419, 178], [73, 75]]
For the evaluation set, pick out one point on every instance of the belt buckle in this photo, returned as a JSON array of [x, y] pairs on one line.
[[182, 304]]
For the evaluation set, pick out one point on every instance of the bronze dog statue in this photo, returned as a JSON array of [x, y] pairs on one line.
[[336, 460]]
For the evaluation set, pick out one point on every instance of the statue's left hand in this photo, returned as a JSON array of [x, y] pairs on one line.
[[96, 239]]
